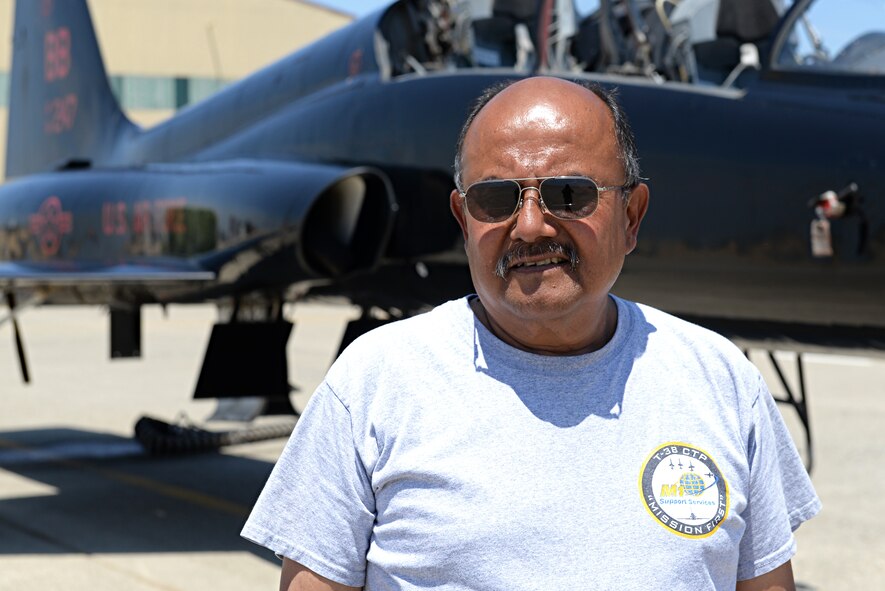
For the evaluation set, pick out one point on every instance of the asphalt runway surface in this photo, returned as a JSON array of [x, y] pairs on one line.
[[83, 507]]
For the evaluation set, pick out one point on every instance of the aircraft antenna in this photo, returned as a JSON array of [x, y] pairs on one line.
[[213, 52]]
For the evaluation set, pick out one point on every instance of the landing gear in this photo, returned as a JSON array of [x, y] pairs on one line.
[[370, 319], [247, 356], [17, 337], [795, 397], [245, 368]]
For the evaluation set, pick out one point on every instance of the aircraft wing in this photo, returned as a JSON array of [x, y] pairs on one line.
[[25, 274]]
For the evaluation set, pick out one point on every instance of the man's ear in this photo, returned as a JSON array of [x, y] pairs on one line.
[[456, 204], [636, 208]]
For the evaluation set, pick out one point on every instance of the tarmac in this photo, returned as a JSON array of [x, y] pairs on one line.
[[83, 507]]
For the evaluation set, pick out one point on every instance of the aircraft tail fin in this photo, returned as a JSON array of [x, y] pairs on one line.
[[61, 109]]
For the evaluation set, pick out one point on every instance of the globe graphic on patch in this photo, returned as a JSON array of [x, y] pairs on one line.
[[692, 484]]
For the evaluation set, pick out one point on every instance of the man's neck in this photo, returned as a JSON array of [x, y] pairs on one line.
[[548, 340]]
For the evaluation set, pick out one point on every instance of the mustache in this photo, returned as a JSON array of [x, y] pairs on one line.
[[524, 250]]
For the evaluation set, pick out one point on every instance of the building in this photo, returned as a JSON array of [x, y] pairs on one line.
[[163, 54]]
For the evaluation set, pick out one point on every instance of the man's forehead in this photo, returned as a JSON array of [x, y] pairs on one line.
[[544, 115], [544, 89], [543, 102], [542, 120]]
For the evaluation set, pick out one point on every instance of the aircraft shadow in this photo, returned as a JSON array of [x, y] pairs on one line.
[[66, 491]]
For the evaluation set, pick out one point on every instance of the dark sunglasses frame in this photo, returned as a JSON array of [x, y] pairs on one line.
[[555, 212]]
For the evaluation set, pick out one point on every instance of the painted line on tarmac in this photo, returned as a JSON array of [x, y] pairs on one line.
[[168, 490], [40, 536], [70, 549], [67, 548]]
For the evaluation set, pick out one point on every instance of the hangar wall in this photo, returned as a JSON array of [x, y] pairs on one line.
[[164, 54]]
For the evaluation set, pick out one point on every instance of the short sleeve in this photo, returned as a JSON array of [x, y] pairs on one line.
[[317, 507], [781, 496]]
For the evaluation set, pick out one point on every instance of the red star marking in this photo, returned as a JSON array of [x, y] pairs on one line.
[[355, 63], [49, 224]]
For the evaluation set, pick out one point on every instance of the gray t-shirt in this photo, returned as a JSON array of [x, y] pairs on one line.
[[436, 456]]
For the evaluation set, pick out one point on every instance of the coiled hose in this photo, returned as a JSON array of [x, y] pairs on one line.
[[161, 438]]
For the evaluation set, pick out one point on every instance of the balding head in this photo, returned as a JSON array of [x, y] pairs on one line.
[[531, 92]]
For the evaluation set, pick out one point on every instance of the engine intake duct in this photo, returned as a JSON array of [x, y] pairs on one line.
[[348, 225]]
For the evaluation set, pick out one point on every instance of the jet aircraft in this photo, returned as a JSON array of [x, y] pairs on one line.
[[327, 173]]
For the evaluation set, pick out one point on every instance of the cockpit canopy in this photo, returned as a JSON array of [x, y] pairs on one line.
[[714, 42]]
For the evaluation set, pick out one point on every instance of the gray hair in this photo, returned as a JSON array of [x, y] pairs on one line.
[[626, 141]]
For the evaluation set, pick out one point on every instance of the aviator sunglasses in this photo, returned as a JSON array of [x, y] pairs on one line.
[[564, 197]]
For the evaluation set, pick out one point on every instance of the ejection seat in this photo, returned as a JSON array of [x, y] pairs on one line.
[[503, 33], [416, 35], [725, 36]]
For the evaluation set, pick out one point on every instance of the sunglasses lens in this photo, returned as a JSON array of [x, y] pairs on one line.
[[492, 201], [566, 197], [570, 197]]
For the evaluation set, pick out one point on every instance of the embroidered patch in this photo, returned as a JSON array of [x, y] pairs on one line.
[[684, 490]]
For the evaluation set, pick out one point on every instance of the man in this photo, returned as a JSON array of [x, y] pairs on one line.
[[542, 434]]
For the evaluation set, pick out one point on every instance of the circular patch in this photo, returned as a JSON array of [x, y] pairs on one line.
[[683, 489]]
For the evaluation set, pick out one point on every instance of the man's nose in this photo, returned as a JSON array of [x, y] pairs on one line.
[[531, 221]]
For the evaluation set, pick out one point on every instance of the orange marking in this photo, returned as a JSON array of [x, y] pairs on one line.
[[113, 218], [49, 224], [60, 114], [355, 63], [57, 54]]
